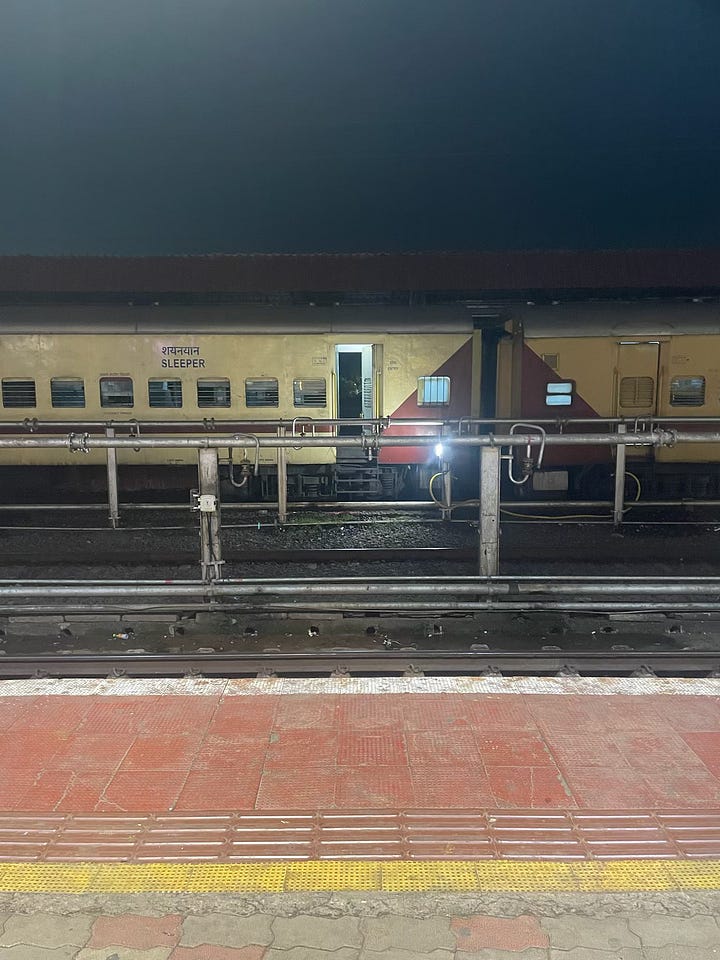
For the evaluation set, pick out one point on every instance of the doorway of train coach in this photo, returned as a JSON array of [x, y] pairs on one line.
[[354, 385], [636, 388]]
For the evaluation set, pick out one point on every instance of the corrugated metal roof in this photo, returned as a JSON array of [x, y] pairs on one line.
[[365, 272]]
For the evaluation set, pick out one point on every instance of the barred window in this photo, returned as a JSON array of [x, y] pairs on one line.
[[262, 392], [310, 393], [637, 391], [67, 392], [213, 393], [433, 391], [116, 392], [165, 393], [559, 394], [19, 393], [687, 391]]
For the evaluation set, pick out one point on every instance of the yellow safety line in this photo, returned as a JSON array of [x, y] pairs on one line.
[[461, 876]]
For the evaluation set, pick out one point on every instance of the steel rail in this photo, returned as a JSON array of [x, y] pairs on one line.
[[518, 663], [324, 589]]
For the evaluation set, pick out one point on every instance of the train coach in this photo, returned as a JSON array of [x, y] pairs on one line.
[[195, 367]]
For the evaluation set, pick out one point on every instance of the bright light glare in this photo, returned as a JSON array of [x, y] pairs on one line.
[[439, 450]]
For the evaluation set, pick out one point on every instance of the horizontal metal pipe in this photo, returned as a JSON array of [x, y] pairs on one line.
[[519, 581], [358, 506], [460, 606], [215, 423], [78, 443], [367, 607], [481, 587]]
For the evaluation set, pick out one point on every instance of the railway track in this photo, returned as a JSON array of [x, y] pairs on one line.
[[674, 663]]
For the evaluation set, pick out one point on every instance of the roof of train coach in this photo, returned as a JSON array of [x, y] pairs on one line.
[[625, 320], [302, 277]]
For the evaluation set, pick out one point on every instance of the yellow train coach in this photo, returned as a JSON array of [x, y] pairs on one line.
[[207, 367], [210, 366]]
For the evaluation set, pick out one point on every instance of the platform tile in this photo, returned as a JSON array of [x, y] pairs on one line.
[[118, 952], [319, 933], [570, 931], [660, 931], [310, 953], [214, 952], [24, 951], [46, 930], [403, 955], [481, 932], [674, 952], [588, 953], [407, 934], [532, 953], [136, 932], [227, 930]]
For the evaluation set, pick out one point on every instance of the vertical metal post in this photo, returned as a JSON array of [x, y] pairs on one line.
[[446, 511], [112, 481], [209, 508], [489, 511], [282, 486], [619, 505]]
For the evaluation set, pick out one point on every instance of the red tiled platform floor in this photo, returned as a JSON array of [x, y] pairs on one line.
[[184, 753]]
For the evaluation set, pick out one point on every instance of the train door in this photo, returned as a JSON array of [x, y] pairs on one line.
[[637, 382], [354, 384]]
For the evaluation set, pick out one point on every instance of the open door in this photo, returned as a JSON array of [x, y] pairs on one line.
[[354, 379]]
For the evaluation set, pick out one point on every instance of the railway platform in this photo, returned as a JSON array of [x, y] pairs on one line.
[[360, 818]]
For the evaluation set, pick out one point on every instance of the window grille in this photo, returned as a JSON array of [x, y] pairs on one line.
[[116, 392], [165, 393], [310, 393], [67, 392], [213, 393], [637, 391], [19, 393], [687, 391], [262, 392], [433, 391]]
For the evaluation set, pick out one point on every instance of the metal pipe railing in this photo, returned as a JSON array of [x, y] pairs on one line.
[[389, 589], [76, 442], [211, 423]]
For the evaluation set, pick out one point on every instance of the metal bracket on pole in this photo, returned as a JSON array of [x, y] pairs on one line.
[[209, 509], [619, 504], [112, 481], [282, 486], [489, 511]]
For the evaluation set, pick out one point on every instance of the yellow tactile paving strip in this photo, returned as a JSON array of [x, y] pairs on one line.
[[461, 876]]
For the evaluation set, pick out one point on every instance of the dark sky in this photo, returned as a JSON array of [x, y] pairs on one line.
[[189, 126]]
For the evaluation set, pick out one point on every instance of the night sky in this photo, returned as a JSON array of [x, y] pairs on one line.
[[194, 126]]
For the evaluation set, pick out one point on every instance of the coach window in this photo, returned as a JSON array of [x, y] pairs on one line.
[[558, 394], [262, 392], [67, 392], [19, 393], [310, 393], [213, 393], [165, 393], [433, 391], [116, 392], [687, 391]]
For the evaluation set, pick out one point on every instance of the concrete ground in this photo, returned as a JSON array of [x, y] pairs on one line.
[[327, 926]]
